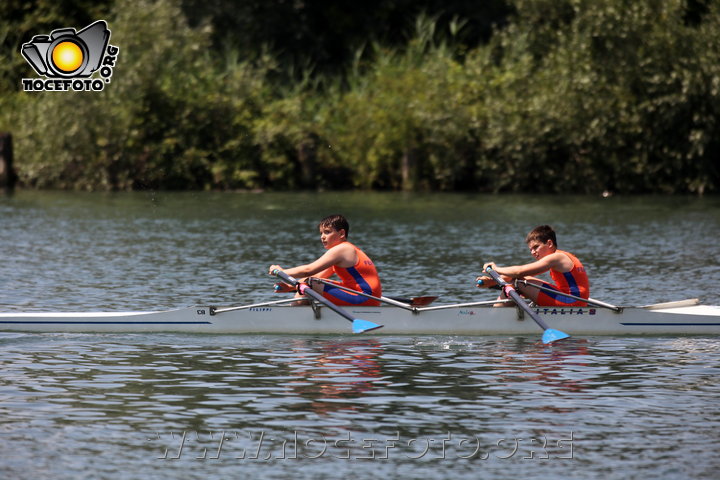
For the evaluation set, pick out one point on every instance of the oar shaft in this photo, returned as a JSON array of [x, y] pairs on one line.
[[340, 311], [510, 292], [389, 301], [405, 305], [305, 290], [309, 292]]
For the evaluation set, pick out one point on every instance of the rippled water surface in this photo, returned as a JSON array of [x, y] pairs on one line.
[[195, 406]]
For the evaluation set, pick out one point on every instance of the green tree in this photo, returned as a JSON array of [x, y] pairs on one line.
[[171, 118]]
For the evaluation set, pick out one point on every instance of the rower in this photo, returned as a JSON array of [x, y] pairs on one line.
[[566, 271], [342, 258]]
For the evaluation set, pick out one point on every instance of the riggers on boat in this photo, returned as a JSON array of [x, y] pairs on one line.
[[686, 317]]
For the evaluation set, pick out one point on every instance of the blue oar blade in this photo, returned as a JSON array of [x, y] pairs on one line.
[[362, 326], [552, 335]]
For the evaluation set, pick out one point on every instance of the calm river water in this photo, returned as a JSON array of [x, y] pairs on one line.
[[197, 407]]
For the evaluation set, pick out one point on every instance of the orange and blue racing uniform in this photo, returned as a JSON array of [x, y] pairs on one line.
[[574, 282], [362, 277]]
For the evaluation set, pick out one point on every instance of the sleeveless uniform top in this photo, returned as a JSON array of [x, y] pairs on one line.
[[362, 277], [574, 282]]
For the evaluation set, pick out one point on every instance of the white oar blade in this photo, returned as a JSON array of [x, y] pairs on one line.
[[551, 335], [362, 326]]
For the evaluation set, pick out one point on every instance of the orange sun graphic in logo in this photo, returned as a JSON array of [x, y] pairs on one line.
[[67, 56]]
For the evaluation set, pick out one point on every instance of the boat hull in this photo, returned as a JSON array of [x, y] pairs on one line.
[[690, 320]]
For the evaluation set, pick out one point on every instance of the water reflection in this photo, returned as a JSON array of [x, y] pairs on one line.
[[559, 366], [336, 373], [111, 393]]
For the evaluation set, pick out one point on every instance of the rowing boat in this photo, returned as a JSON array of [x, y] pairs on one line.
[[686, 317]]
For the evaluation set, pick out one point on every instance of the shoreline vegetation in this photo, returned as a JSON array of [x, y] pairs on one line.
[[534, 96]]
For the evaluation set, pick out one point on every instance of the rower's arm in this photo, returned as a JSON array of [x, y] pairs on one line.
[[337, 255], [556, 261]]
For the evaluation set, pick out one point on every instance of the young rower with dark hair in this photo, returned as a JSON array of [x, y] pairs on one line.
[[342, 258], [565, 269]]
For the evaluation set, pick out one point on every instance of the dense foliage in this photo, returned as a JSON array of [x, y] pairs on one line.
[[559, 96]]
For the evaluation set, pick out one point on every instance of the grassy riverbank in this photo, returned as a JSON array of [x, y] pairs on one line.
[[566, 96]]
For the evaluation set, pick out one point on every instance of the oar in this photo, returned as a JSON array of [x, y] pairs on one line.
[[358, 325], [414, 302], [550, 335], [589, 301]]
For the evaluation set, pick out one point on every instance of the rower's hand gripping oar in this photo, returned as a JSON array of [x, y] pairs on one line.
[[550, 335], [358, 325]]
